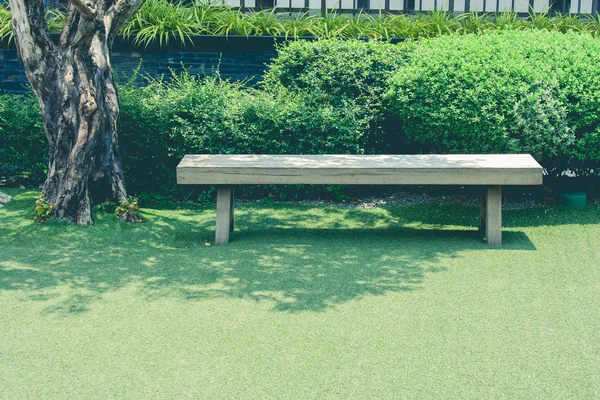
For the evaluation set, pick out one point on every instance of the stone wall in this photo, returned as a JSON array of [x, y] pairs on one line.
[[236, 58]]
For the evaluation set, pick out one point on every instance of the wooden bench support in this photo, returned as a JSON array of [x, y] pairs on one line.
[[225, 218], [490, 215], [482, 211]]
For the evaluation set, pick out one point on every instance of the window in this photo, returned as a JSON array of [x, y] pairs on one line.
[[560, 6], [265, 3], [362, 4]]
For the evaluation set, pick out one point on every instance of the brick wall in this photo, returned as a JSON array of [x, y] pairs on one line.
[[236, 58]]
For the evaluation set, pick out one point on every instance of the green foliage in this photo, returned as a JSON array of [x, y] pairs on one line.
[[165, 120], [265, 23], [508, 20], [297, 25], [569, 22], [163, 21], [128, 210], [54, 18], [107, 207], [158, 20], [515, 91], [23, 145], [43, 210], [532, 92], [291, 123], [337, 69], [437, 23], [340, 74], [5, 24], [477, 23]]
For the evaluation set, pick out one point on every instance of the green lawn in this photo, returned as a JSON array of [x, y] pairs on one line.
[[305, 302]]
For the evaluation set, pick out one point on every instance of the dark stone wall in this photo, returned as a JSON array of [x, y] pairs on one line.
[[12, 75], [236, 58], [230, 65]]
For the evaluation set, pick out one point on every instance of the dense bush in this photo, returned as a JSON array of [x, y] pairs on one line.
[[530, 92], [337, 69], [165, 120], [515, 92], [23, 145], [336, 73], [156, 121]]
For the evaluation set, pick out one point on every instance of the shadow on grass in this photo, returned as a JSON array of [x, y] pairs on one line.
[[289, 259]]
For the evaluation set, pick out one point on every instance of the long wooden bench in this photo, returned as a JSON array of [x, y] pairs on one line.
[[491, 171]]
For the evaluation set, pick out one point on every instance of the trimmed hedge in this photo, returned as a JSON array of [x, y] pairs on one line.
[[339, 70], [156, 121], [337, 73], [23, 143], [510, 92], [165, 120]]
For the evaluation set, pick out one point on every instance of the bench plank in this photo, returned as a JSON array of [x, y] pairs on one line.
[[437, 169]]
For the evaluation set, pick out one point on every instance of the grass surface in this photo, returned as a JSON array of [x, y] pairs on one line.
[[303, 303]]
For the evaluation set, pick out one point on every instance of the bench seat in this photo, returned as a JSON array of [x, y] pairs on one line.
[[489, 170]]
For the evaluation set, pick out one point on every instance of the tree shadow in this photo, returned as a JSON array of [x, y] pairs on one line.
[[281, 260], [305, 276]]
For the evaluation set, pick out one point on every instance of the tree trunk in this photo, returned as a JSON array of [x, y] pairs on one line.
[[78, 100], [80, 110]]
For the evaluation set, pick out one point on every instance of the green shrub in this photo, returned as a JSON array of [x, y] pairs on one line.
[[5, 24], [23, 144], [534, 92], [292, 123], [337, 69], [516, 91], [165, 120], [341, 74]]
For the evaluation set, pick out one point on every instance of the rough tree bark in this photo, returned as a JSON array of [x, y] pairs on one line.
[[78, 100]]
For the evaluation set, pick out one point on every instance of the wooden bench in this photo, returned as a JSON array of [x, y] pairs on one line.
[[492, 171]]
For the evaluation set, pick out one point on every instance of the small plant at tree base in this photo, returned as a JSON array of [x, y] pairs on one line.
[[107, 206], [43, 210], [128, 210]]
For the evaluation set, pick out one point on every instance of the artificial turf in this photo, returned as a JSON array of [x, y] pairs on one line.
[[305, 302]]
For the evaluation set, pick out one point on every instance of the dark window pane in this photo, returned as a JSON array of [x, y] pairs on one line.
[[265, 3], [560, 6]]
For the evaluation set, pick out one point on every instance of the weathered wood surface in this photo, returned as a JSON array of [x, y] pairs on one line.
[[451, 169], [493, 216], [224, 215]]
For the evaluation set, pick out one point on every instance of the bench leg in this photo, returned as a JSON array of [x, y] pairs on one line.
[[491, 215], [224, 214], [482, 211], [232, 208]]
